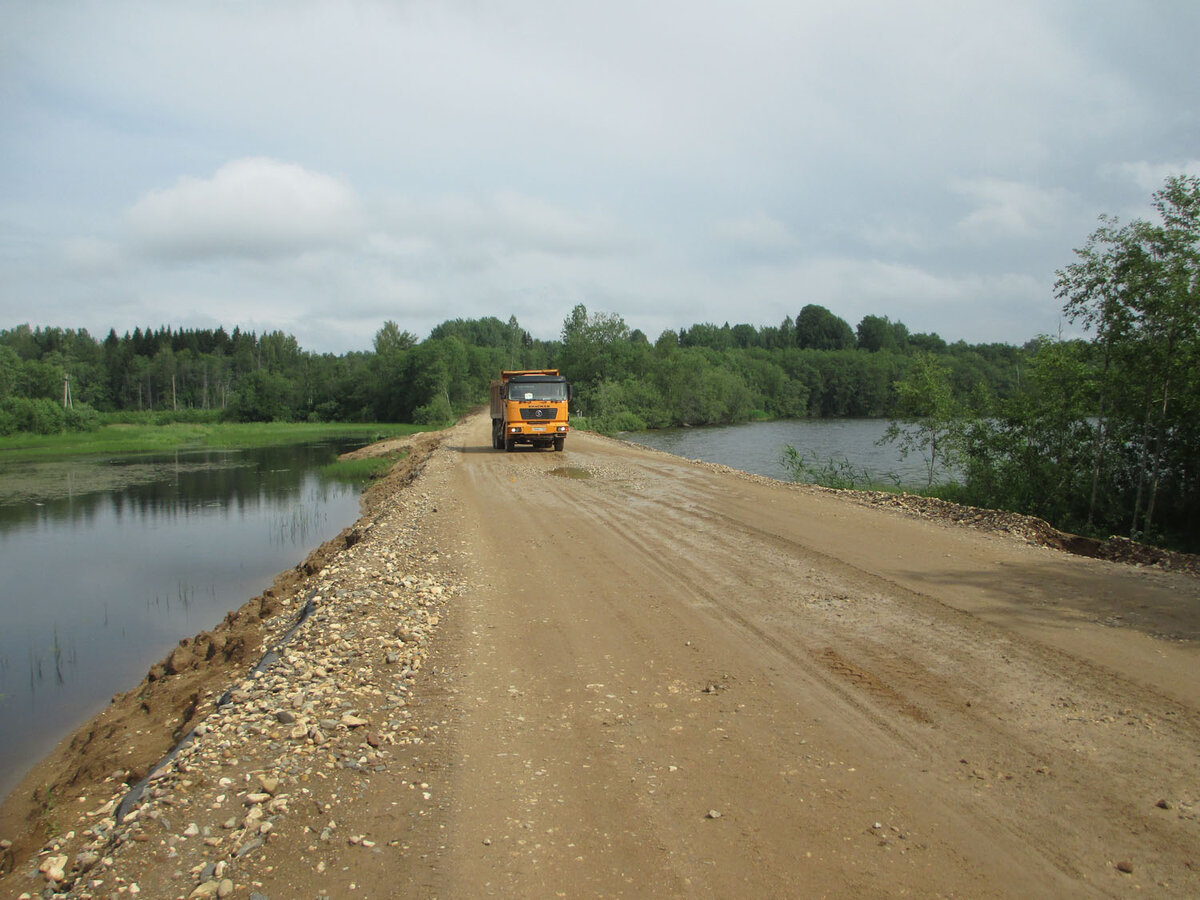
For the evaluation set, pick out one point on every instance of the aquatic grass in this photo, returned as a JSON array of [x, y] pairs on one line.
[[839, 472], [297, 525], [835, 472], [35, 669], [358, 471], [61, 654], [57, 648]]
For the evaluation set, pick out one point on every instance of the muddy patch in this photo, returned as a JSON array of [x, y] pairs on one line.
[[571, 472], [874, 686]]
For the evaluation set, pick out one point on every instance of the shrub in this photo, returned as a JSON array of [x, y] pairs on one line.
[[436, 412], [185, 415], [81, 417], [36, 416]]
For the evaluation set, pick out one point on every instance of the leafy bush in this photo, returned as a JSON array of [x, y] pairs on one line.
[[161, 417], [186, 416], [82, 417], [611, 423], [36, 416], [436, 412]]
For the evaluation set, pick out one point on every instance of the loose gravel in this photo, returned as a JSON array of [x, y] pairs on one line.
[[323, 711]]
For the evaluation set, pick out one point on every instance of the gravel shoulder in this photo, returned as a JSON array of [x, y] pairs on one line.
[[612, 672]]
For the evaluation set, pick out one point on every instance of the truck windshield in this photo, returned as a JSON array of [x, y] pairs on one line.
[[537, 390]]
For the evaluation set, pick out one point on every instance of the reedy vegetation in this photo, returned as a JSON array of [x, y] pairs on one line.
[[1098, 436]]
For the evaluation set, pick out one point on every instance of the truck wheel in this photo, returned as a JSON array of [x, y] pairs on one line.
[[558, 444]]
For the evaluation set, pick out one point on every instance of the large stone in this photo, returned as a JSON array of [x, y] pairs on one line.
[[54, 868]]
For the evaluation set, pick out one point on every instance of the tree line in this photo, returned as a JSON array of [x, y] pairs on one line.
[[53, 378], [814, 365]]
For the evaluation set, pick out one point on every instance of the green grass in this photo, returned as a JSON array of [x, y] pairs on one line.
[[360, 471], [121, 438]]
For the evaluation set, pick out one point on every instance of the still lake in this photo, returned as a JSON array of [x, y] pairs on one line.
[[758, 446], [106, 563]]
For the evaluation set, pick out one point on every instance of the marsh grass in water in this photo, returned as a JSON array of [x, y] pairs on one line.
[[359, 471], [297, 526], [836, 472], [60, 655]]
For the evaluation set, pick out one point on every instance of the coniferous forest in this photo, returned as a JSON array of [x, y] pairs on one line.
[[1098, 435]]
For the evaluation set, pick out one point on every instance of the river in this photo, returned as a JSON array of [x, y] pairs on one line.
[[108, 562], [758, 446]]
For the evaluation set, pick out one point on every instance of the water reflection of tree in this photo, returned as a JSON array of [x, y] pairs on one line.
[[179, 485]]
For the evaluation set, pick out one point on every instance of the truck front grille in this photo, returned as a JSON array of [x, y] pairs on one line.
[[539, 414]]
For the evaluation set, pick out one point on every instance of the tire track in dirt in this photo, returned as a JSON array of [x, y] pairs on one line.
[[699, 533], [1045, 673], [707, 534], [706, 580]]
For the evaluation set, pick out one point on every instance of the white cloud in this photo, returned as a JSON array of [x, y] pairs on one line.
[[254, 207], [1149, 176], [1009, 208]]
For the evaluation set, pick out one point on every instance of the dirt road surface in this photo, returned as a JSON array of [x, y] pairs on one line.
[[659, 678]]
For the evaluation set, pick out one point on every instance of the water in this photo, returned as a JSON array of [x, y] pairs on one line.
[[758, 446], [107, 563]]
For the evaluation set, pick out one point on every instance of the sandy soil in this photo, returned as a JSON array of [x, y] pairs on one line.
[[652, 677]]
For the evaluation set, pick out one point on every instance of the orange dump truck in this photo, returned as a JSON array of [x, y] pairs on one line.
[[529, 406]]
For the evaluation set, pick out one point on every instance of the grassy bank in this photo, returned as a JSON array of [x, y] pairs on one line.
[[125, 438], [360, 471]]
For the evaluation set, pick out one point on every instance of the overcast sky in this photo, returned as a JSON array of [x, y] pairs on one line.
[[320, 168]]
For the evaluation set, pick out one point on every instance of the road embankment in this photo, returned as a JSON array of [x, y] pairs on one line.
[[270, 684]]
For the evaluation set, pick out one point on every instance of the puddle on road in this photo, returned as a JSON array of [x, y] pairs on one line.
[[571, 472]]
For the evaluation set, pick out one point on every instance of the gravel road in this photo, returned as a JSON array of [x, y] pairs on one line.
[[611, 672]]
